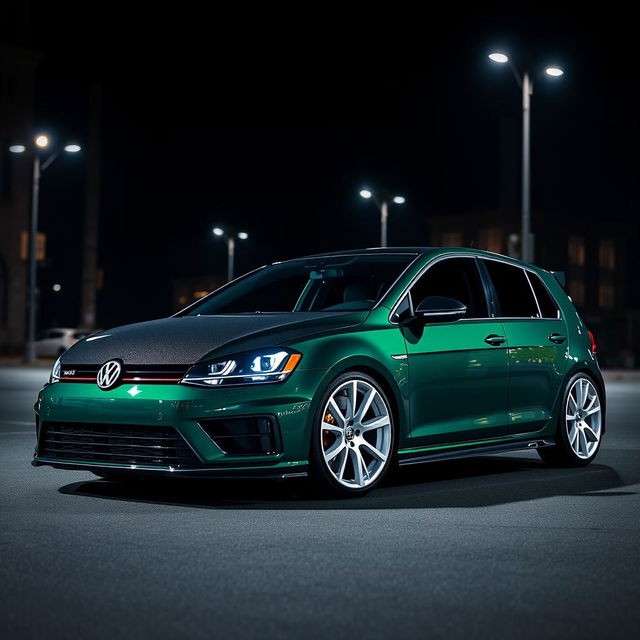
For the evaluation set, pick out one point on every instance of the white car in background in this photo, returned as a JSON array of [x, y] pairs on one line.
[[55, 341]]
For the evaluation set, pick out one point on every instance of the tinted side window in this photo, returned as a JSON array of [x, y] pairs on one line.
[[515, 298], [547, 305], [56, 334], [456, 278]]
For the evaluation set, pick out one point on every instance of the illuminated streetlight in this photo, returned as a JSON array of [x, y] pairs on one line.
[[500, 58], [230, 239], [554, 72], [526, 84], [41, 141], [383, 204]]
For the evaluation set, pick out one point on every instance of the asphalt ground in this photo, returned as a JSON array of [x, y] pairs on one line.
[[493, 547]]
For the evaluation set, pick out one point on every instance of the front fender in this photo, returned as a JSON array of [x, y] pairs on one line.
[[369, 352]]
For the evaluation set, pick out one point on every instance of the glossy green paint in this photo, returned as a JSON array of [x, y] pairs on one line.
[[459, 383], [536, 370], [448, 388]]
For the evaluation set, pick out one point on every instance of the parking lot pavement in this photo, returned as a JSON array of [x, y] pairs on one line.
[[492, 547]]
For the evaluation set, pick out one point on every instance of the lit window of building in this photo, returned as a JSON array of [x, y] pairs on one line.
[[607, 254], [576, 291], [606, 296], [451, 239], [491, 240], [576, 251]]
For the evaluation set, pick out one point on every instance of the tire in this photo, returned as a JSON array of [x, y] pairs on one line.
[[346, 459], [580, 425]]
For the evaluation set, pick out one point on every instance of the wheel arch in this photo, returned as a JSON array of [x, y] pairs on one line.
[[374, 369], [596, 378]]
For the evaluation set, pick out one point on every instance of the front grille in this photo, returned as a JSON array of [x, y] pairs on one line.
[[115, 443], [254, 435], [156, 374]]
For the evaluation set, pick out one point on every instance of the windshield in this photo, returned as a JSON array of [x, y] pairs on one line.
[[335, 283]]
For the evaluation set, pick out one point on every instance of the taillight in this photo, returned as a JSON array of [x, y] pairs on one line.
[[594, 346]]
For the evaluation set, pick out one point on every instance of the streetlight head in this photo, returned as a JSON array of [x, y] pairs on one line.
[[554, 72], [243, 235], [42, 141], [498, 57], [72, 148], [365, 193], [399, 199], [17, 148], [217, 231]]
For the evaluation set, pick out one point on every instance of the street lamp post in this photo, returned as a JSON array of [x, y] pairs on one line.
[[41, 142], [382, 203], [230, 239], [526, 85]]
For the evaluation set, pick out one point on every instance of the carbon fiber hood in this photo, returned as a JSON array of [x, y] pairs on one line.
[[187, 339]]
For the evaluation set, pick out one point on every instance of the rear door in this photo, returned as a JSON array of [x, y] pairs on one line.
[[537, 340], [458, 372]]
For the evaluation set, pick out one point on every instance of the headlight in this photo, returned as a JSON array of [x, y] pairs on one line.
[[55, 372], [256, 367]]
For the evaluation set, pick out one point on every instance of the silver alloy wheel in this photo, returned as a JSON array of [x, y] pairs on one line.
[[583, 418], [356, 435]]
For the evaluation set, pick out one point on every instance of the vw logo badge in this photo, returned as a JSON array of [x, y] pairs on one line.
[[109, 374]]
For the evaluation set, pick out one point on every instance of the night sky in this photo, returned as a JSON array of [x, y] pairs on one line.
[[274, 126]]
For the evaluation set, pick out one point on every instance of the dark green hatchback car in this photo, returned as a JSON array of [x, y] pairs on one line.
[[335, 366]]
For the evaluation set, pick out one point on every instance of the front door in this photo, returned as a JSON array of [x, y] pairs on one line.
[[458, 372]]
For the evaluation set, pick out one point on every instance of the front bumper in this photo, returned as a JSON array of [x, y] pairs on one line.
[[182, 408]]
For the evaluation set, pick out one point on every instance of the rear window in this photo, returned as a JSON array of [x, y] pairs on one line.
[[514, 295], [547, 304]]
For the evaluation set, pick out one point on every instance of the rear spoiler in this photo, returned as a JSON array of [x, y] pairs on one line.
[[559, 276]]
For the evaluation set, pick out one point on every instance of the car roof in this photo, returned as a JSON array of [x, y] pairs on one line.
[[418, 251], [374, 250]]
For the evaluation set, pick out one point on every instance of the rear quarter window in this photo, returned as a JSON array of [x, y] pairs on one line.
[[548, 306]]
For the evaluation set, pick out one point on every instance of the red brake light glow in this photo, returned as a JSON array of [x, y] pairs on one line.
[[594, 346]]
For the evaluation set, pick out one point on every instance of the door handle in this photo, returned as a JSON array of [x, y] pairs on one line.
[[494, 340], [557, 338]]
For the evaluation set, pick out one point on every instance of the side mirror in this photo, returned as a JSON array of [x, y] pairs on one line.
[[440, 309]]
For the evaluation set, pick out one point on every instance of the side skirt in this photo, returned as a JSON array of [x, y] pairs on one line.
[[472, 451]]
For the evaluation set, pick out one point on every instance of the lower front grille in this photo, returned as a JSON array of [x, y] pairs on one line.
[[115, 443]]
